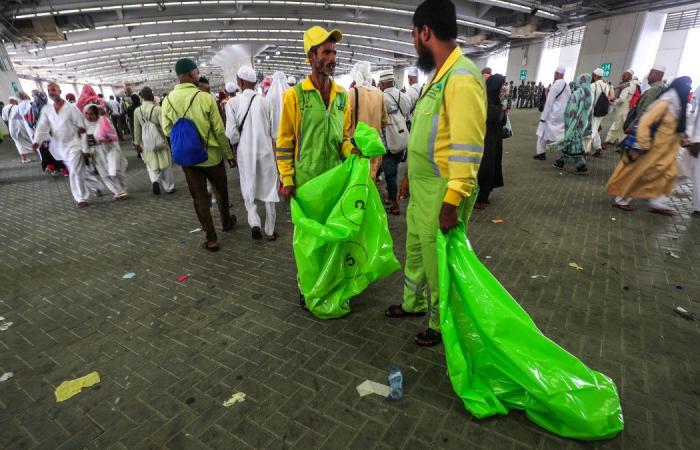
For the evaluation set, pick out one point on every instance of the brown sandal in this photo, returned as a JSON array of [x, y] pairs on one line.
[[272, 237], [428, 338], [212, 249], [626, 208], [664, 212], [397, 312]]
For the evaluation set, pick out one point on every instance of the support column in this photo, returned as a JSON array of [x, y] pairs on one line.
[[399, 75], [630, 41], [671, 51], [526, 57], [9, 83]]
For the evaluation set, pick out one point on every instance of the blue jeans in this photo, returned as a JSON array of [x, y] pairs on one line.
[[390, 166]]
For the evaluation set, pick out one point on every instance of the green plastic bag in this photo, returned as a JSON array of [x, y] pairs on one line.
[[498, 359], [341, 238], [367, 139]]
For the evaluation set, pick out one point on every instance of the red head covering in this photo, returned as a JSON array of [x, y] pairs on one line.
[[87, 96]]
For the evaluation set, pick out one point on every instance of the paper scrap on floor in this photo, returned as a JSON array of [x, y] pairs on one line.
[[371, 387], [238, 397], [69, 388]]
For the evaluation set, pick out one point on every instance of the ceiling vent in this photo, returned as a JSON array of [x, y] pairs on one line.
[[38, 29]]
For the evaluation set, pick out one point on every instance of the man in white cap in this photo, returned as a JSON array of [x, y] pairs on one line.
[[249, 129], [601, 106], [291, 81], [414, 88], [656, 86], [395, 135], [624, 92], [551, 127]]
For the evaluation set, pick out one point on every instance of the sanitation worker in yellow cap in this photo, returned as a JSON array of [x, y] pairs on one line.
[[314, 131]]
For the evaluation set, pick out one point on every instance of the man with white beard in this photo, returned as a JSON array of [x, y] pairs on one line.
[[551, 127], [249, 129], [63, 124]]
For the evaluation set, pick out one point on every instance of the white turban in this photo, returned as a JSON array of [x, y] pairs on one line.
[[360, 73], [231, 87], [598, 71], [659, 67], [412, 72], [13, 98], [561, 69], [386, 75], [246, 73], [630, 71], [291, 80]]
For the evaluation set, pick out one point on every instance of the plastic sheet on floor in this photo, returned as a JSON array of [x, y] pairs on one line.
[[69, 388], [499, 360]]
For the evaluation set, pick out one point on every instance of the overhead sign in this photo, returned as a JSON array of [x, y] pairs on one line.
[[607, 68], [523, 74]]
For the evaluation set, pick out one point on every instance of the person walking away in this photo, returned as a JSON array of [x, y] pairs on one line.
[[624, 92], [395, 135], [275, 98], [651, 173], [106, 155], [413, 91], [63, 124], [367, 105], [577, 126], [551, 126], [522, 94], [443, 164], [113, 110], [150, 143], [249, 129], [186, 106], [324, 118], [601, 107], [490, 175], [17, 129]]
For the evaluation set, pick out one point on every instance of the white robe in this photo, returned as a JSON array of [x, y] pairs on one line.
[[18, 129], [593, 143], [551, 127], [622, 108], [257, 166], [66, 144], [108, 159]]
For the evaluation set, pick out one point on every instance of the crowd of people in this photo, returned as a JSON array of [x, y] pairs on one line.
[[441, 151]]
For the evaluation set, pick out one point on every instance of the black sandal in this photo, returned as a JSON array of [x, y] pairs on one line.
[[397, 312], [302, 302], [428, 338]]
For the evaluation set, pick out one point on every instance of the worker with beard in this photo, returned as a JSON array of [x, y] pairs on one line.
[[320, 108], [444, 154]]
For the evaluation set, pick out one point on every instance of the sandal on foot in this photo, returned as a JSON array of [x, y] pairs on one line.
[[302, 302], [271, 237], [663, 212], [80, 205], [428, 338], [397, 312], [214, 248], [627, 208], [232, 223], [392, 211]]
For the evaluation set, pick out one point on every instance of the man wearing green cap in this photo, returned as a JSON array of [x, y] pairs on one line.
[[320, 108], [203, 111]]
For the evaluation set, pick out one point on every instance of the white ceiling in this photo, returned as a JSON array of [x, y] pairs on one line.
[[127, 41]]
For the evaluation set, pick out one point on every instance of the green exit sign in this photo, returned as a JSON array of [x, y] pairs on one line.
[[523, 74], [607, 68]]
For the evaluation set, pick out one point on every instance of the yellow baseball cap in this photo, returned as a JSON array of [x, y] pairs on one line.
[[318, 35]]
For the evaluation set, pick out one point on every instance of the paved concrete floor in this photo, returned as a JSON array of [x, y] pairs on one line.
[[169, 354]]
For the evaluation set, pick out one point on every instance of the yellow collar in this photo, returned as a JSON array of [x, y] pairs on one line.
[[308, 85], [449, 62]]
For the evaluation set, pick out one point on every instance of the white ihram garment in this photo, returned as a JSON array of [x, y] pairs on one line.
[[257, 166], [274, 97], [18, 130], [66, 144], [551, 127], [594, 143], [622, 108], [107, 158]]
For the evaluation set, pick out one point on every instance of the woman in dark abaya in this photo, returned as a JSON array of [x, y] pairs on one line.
[[490, 174]]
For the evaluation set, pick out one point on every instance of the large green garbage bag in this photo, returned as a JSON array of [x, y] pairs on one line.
[[341, 239], [498, 359]]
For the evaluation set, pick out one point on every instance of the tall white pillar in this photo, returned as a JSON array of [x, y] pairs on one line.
[[525, 57], [630, 41]]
